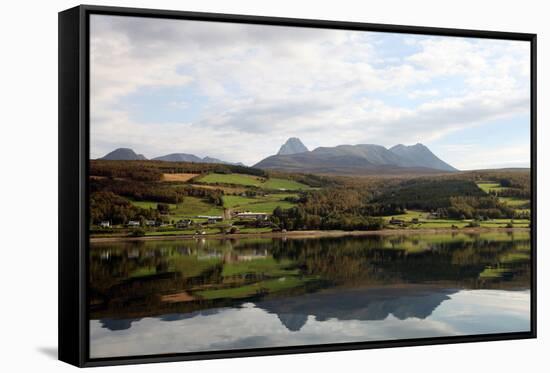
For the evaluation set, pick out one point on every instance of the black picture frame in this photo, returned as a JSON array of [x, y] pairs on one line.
[[73, 186]]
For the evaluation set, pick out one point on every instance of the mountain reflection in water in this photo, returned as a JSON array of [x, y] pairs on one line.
[[181, 296], [357, 304]]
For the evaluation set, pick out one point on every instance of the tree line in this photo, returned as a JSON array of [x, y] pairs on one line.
[[361, 206], [153, 170], [158, 192]]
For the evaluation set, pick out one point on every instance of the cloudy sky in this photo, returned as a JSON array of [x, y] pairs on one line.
[[237, 92]]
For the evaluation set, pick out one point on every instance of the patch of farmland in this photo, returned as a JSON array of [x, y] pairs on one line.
[[235, 179], [189, 208], [283, 184], [489, 187], [193, 206], [266, 203], [514, 202], [150, 204], [181, 177], [226, 189], [254, 181], [409, 215]]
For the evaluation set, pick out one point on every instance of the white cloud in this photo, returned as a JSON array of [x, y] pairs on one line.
[[419, 93], [260, 85]]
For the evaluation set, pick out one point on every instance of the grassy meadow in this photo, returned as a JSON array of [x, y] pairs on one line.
[[253, 181]]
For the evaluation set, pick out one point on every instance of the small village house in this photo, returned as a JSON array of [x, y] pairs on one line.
[[394, 221], [211, 219], [253, 215], [184, 223]]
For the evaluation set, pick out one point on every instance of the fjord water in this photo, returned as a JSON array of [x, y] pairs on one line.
[[170, 296]]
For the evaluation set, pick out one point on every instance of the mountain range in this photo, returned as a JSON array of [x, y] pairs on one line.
[[294, 156], [355, 159], [126, 154]]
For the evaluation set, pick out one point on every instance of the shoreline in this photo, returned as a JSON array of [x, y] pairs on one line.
[[309, 234]]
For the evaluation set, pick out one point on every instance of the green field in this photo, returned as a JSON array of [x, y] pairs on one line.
[[269, 286], [236, 179], [192, 206], [283, 184], [266, 203], [514, 202], [515, 257], [150, 204], [190, 265], [142, 272], [264, 266], [254, 181], [409, 215], [189, 208], [488, 187], [492, 272]]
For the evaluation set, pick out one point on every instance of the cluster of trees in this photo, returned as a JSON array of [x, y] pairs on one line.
[[297, 218], [507, 178], [153, 170], [134, 170], [215, 197], [451, 198], [252, 193], [152, 191], [330, 201], [314, 181], [513, 193], [514, 188], [520, 180], [238, 169], [107, 206], [163, 208], [428, 194], [477, 208], [360, 206], [138, 190]]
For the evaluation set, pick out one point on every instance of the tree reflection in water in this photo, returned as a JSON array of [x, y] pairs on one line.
[[344, 278]]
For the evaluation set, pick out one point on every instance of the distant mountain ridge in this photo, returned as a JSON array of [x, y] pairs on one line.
[[293, 156], [123, 154], [184, 157], [419, 155], [178, 157], [126, 154], [362, 159], [292, 146]]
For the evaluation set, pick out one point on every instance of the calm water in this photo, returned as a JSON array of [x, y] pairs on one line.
[[196, 295]]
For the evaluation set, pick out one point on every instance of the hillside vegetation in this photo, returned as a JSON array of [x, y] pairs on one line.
[[155, 197]]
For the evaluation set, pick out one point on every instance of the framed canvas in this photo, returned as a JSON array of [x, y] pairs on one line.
[[235, 186]]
